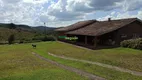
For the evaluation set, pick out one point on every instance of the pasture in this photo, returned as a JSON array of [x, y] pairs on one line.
[[79, 53], [18, 63], [121, 57]]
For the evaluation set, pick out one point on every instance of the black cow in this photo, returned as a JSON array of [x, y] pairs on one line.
[[34, 45]]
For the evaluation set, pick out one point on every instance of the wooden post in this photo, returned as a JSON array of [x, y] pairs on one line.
[[95, 42], [85, 40]]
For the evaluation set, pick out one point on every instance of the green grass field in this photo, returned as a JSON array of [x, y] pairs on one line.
[[44, 48], [17, 63], [121, 57]]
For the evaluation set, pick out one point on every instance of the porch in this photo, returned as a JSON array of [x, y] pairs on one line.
[[96, 42]]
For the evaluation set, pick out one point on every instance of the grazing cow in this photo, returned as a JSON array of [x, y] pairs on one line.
[[34, 45]]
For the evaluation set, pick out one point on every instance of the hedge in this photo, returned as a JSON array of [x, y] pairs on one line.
[[132, 43], [44, 38]]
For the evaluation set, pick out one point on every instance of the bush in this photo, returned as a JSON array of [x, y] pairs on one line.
[[11, 39], [44, 38], [49, 38], [132, 43], [21, 41], [25, 40]]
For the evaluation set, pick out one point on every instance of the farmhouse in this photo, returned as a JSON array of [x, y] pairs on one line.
[[103, 33]]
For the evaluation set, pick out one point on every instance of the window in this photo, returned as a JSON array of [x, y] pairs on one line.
[[136, 36], [123, 35]]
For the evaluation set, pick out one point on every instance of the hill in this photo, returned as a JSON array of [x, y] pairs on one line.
[[39, 29], [43, 29], [23, 32], [14, 26], [19, 34]]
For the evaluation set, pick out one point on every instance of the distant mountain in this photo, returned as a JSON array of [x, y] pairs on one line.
[[44, 29], [23, 32], [39, 29], [4, 25], [15, 26]]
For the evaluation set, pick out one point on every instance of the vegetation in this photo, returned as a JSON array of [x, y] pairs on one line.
[[11, 39], [45, 30], [6, 32], [25, 33], [17, 63], [12, 26], [121, 57], [44, 38], [109, 74], [132, 43], [44, 48], [22, 36]]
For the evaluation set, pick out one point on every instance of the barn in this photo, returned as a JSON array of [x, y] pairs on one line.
[[103, 33]]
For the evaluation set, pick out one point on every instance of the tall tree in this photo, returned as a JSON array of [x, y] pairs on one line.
[[11, 39]]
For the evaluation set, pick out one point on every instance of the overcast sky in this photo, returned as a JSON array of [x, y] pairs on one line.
[[57, 13]]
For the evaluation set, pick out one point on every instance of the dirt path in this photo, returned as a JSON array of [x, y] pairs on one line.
[[80, 72], [101, 64]]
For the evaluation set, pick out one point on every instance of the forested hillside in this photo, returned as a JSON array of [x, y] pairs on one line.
[[23, 33]]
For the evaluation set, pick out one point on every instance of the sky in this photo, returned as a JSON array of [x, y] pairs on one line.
[[60, 13]]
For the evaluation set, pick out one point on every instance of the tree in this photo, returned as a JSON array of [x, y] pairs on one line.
[[1, 37], [11, 39]]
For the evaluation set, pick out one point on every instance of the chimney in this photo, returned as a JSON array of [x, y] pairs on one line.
[[109, 19]]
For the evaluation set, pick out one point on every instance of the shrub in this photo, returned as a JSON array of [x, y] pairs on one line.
[[25, 40], [44, 38], [48, 38], [11, 39], [21, 41], [38, 38], [132, 43]]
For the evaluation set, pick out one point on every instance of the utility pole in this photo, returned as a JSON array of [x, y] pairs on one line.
[[45, 28]]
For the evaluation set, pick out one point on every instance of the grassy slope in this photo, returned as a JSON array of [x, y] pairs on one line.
[[5, 33], [109, 74], [122, 57], [17, 63]]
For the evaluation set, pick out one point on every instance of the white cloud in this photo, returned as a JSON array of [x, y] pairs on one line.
[[122, 15], [104, 5], [21, 13], [128, 15], [78, 5], [11, 1], [36, 1], [1, 3], [63, 12], [77, 9], [130, 5], [59, 11]]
